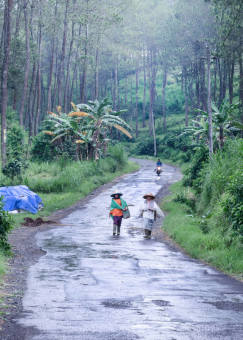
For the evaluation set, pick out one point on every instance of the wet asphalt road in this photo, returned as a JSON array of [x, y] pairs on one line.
[[90, 285]]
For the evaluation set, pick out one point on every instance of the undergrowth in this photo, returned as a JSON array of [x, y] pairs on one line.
[[198, 236]]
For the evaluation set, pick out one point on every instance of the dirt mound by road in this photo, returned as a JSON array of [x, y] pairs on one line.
[[30, 222]]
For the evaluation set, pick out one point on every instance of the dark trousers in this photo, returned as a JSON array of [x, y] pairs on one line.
[[117, 220]]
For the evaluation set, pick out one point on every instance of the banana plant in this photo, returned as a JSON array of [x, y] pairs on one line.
[[223, 124], [198, 130], [88, 124], [103, 119]]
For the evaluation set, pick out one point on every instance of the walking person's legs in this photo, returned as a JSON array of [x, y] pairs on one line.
[[114, 229], [148, 225], [117, 225]]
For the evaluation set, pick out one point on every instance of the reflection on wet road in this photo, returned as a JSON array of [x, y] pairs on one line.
[[90, 285]]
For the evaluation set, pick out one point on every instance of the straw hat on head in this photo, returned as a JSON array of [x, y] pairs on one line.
[[117, 192], [149, 195]]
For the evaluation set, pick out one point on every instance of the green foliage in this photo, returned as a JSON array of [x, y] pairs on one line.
[[15, 152], [6, 225], [43, 150], [170, 146], [187, 200], [15, 142], [199, 159], [224, 122], [65, 175], [13, 168], [221, 187], [199, 236], [117, 153]]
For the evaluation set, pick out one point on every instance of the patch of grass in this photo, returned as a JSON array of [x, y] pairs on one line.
[[2, 264], [211, 247]]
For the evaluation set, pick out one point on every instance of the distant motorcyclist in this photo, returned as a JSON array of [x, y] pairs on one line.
[[158, 167]]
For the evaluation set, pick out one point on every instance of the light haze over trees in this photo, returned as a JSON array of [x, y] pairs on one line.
[[54, 52]]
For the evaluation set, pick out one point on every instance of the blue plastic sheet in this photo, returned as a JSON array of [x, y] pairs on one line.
[[20, 197]]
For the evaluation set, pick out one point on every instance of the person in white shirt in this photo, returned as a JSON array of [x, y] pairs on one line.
[[149, 211]]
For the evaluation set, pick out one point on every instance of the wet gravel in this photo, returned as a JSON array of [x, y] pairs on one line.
[[89, 285]]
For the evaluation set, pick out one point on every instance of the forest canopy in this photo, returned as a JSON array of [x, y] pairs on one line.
[[57, 52]]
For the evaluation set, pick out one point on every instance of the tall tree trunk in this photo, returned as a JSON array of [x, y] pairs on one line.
[[203, 97], [221, 136], [215, 80], [209, 101], [185, 87], [150, 63], [53, 46], [83, 83], [54, 94], [191, 93], [27, 63], [144, 89], [231, 79], [68, 69], [2, 39], [115, 103], [220, 71], [75, 76], [131, 96], [17, 27], [49, 106], [136, 107], [33, 107], [37, 116], [15, 49], [154, 134], [118, 93], [153, 72], [198, 95], [4, 103], [96, 94], [29, 100], [224, 79], [15, 99], [63, 54], [43, 100], [241, 84], [126, 91], [164, 82]]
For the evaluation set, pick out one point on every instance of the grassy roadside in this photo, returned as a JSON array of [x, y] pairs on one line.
[[188, 231]]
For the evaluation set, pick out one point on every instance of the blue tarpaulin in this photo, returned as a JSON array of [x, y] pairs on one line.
[[20, 197]]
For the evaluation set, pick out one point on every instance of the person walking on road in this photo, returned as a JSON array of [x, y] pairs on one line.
[[149, 211], [116, 211]]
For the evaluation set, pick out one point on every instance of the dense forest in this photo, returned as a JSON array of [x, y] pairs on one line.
[[57, 52], [77, 75]]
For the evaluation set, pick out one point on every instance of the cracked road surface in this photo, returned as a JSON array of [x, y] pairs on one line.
[[92, 286]]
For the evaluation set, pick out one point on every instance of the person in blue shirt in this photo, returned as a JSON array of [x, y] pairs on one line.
[[159, 163]]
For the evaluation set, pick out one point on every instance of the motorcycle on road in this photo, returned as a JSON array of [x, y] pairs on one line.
[[158, 170]]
